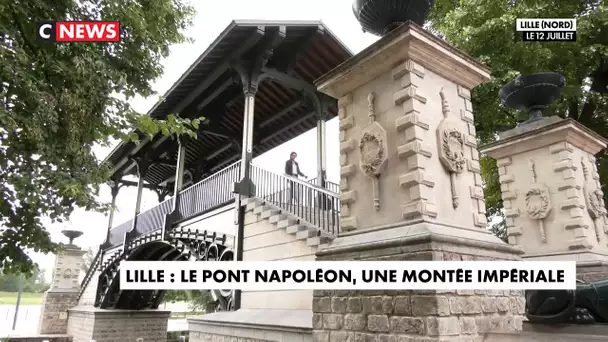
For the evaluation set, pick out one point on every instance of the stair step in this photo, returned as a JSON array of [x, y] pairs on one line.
[[276, 218], [286, 223], [247, 201], [305, 233], [269, 213], [317, 240], [293, 229], [251, 206], [260, 209]]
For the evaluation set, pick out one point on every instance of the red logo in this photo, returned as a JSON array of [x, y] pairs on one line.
[[78, 31]]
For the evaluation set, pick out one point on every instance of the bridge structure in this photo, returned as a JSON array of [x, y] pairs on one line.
[[410, 189], [253, 87]]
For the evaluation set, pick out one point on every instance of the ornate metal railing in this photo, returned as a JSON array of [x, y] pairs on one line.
[[313, 204], [210, 193]]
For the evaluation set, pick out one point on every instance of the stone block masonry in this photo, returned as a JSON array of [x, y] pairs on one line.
[[63, 293], [87, 324], [416, 315], [54, 312], [408, 140]]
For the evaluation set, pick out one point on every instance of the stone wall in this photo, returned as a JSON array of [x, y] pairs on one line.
[[205, 337], [63, 293], [87, 324], [54, 311], [264, 241], [252, 325], [416, 315], [53, 338]]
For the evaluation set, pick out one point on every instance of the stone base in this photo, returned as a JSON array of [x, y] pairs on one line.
[[592, 271], [554, 333], [590, 266], [54, 311], [421, 315], [38, 338], [252, 325], [87, 324]]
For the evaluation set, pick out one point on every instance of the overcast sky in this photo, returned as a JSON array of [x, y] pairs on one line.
[[211, 19]]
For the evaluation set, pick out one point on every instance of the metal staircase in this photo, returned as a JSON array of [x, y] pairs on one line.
[[305, 210]]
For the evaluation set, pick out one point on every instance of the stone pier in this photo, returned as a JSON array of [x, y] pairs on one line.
[[552, 195], [411, 189], [63, 293]]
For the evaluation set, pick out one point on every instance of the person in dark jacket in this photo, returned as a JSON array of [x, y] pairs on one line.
[[292, 169]]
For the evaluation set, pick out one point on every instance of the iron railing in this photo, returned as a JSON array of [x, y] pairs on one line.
[[90, 272], [154, 218], [217, 190], [313, 204], [331, 186], [210, 193]]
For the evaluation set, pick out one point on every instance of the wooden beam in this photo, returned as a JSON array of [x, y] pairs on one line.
[[219, 151], [282, 112], [300, 47], [226, 63], [146, 186], [288, 127], [216, 92], [288, 80]]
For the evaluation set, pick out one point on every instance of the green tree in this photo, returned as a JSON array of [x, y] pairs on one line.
[[33, 283], [198, 301], [485, 29], [59, 101]]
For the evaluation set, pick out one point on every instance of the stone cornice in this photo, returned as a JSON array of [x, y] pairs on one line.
[[566, 130], [409, 42]]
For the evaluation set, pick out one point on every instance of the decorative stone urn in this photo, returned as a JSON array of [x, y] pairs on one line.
[[532, 93], [381, 17]]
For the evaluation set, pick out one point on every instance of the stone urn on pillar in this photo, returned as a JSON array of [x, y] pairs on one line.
[[532, 93], [410, 183], [549, 186], [65, 287], [381, 17], [71, 235]]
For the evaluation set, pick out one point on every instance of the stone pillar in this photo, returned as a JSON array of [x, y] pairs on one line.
[[411, 190], [552, 195], [63, 293]]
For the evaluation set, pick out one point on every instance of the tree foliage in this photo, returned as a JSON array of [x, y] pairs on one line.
[[59, 101], [485, 29], [198, 301], [34, 283]]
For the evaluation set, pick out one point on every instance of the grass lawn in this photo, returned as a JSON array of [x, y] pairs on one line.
[[26, 298]]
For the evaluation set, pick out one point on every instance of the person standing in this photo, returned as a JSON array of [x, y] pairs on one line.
[[292, 169]]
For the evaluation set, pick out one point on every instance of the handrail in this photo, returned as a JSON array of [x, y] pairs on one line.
[[315, 205], [305, 183], [329, 185], [87, 277], [209, 193]]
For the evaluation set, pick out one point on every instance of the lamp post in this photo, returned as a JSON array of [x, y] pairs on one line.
[[21, 280]]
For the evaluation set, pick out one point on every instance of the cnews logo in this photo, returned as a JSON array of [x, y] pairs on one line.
[[78, 31]]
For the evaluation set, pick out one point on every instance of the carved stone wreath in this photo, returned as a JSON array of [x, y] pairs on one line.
[[67, 274], [370, 161], [538, 203], [456, 159], [595, 204]]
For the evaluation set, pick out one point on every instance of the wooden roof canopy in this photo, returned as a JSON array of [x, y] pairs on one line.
[[212, 88]]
